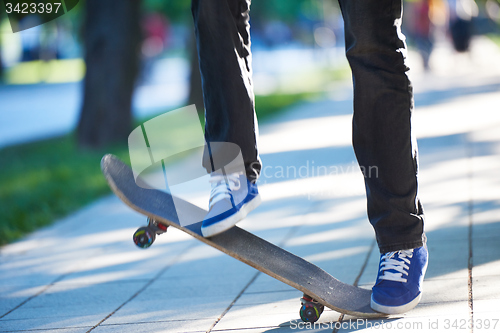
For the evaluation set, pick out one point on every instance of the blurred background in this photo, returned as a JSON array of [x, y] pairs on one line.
[[72, 89]]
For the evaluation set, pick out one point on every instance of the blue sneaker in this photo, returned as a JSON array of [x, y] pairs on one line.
[[399, 283], [231, 199]]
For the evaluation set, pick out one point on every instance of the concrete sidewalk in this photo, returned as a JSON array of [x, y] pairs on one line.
[[85, 274]]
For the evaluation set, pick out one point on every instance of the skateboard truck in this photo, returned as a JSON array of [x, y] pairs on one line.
[[144, 237], [311, 310]]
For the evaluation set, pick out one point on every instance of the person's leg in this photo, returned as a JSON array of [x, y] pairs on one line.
[[223, 40], [382, 136], [386, 149]]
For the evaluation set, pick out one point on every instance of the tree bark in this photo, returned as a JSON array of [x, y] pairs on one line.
[[1, 66], [112, 38]]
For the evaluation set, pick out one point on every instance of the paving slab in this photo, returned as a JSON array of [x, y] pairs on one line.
[[158, 308], [176, 326], [277, 314]]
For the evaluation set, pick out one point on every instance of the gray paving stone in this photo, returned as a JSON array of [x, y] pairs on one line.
[[354, 231], [193, 286], [486, 287], [181, 298], [61, 330], [178, 326], [208, 263], [371, 270], [446, 290], [37, 269], [299, 327], [13, 296], [99, 311], [287, 306], [447, 259], [486, 223], [487, 308], [489, 268], [292, 296], [423, 310], [264, 283], [86, 295], [267, 315], [64, 306], [239, 319], [72, 324], [486, 256], [131, 264], [166, 309], [343, 258]]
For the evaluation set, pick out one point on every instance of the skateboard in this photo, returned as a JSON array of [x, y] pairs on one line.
[[320, 288]]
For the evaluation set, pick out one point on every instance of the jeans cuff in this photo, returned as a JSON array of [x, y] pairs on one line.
[[403, 246]]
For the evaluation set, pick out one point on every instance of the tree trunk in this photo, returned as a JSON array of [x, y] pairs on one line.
[[1, 63], [112, 39], [195, 90]]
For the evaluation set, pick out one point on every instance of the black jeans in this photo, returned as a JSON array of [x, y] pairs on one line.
[[383, 104]]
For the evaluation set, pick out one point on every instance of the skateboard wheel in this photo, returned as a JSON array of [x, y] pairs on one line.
[[311, 311], [144, 237]]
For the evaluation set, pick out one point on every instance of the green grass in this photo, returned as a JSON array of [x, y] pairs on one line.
[[46, 180], [273, 104], [53, 71], [495, 38]]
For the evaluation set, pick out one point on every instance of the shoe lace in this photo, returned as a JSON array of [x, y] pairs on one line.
[[398, 261], [222, 185]]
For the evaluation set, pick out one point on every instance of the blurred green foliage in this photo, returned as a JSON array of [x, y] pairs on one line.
[[286, 10], [176, 10]]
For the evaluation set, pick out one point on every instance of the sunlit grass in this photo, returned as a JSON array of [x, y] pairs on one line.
[[45, 180], [495, 38], [53, 71]]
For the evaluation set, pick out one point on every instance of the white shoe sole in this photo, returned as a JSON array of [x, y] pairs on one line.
[[228, 223], [395, 309]]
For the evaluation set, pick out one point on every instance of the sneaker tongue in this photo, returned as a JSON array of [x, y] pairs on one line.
[[395, 266]]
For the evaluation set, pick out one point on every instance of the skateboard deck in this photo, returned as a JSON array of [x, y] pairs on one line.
[[242, 245]]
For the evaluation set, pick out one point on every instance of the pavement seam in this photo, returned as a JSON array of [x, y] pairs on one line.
[[43, 290], [150, 282], [281, 244], [356, 281], [48, 329], [233, 302], [365, 263], [470, 210], [33, 296]]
